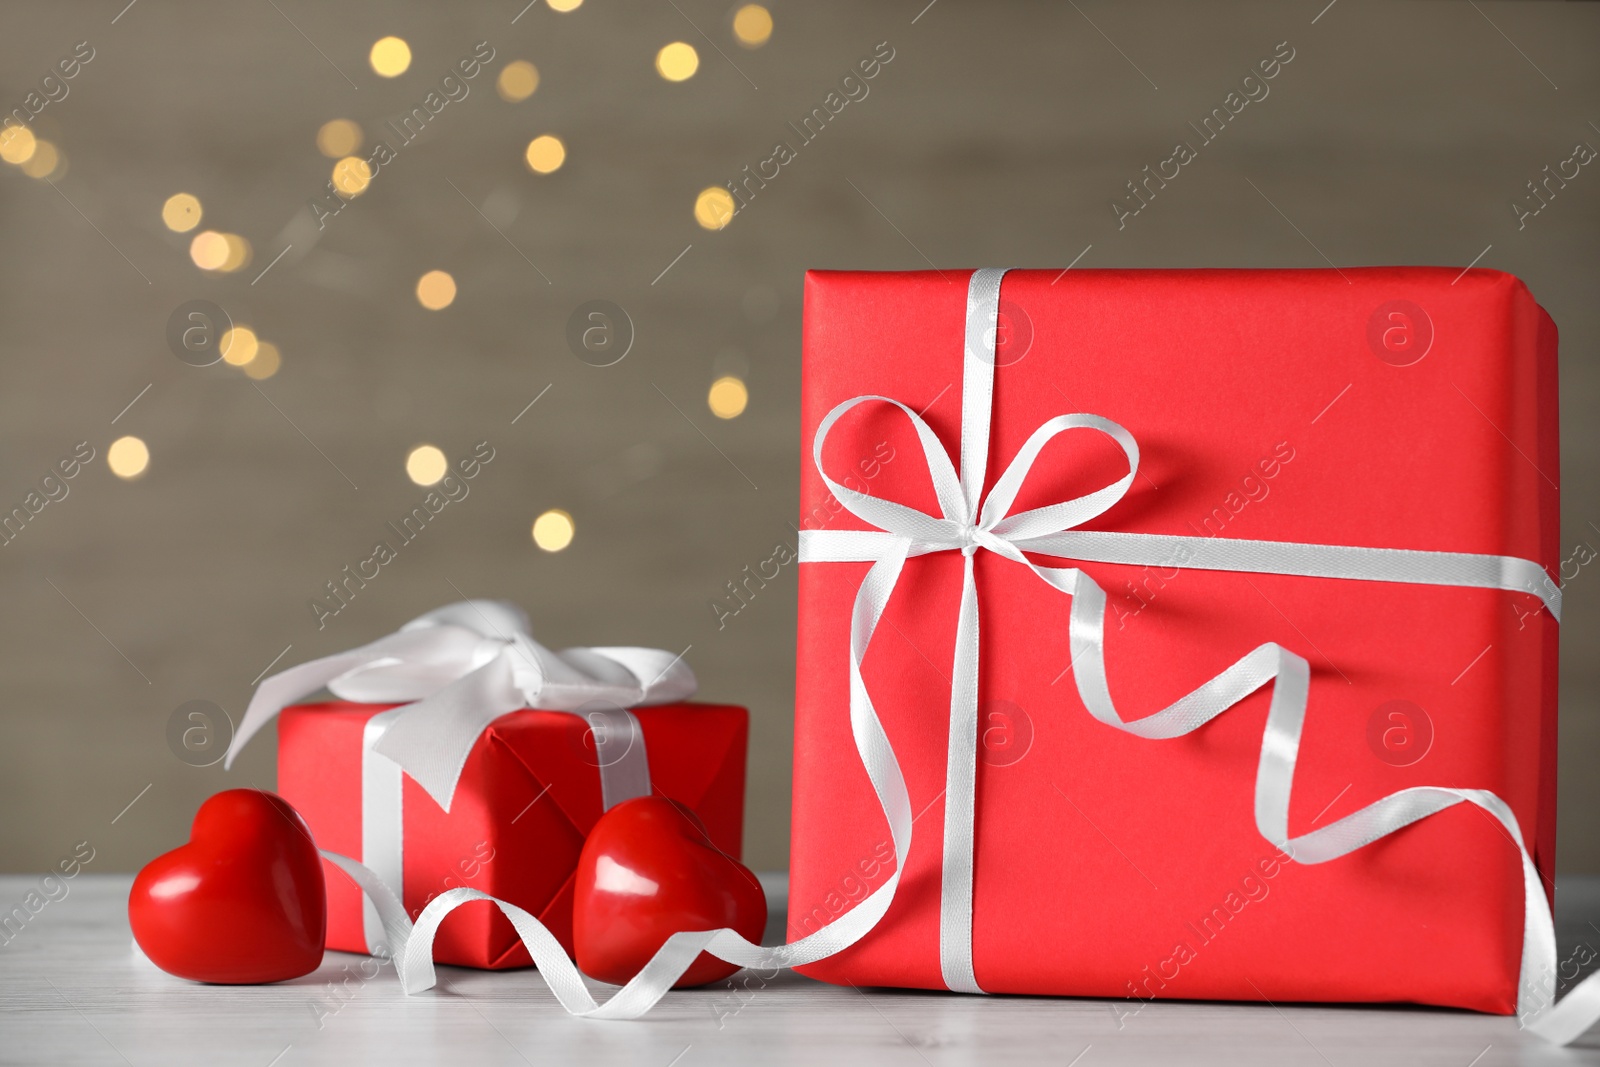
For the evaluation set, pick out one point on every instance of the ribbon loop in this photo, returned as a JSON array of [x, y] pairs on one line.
[[1056, 518], [886, 514]]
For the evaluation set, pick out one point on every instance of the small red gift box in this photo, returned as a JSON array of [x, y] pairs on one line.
[[527, 797], [1405, 408]]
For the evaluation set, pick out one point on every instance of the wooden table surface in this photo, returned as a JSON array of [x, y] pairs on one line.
[[72, 991]]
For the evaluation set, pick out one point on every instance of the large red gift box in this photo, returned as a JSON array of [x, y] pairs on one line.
[[1410, 408], [527, 798]]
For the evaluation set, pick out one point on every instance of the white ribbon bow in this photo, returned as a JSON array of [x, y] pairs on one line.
[[964, 526], [464, 665]]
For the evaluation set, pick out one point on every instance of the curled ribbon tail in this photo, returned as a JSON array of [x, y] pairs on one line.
[[1280, 746]]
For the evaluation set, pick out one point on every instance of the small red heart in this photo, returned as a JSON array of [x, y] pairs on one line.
[[243, 902], [648, 869]]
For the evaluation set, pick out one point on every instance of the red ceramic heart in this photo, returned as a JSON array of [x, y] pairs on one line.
[[243, 902], [648, 869]]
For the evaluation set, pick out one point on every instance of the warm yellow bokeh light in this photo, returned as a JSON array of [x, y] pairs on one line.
[[351, 176], [436, 290], [426, 465], [553, 530], [677, 61], [564, 5], [209, 250], [546, 154], [127, 457], [517, 81], [181, 212], [338, 137], [713, 208], [44, 162], [16, 144], [752, 25], [266, 363], [390, 57], [239, 345], [238, 253], [727, 398]]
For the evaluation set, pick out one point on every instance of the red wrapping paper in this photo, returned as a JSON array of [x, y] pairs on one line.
[[528, 796], [1384, 407]]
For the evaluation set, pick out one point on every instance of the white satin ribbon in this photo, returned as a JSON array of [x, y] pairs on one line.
[[383, 823], [966, 527], [462, 666]]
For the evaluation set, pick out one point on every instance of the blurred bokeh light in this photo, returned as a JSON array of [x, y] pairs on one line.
[[390, 57], [209, 250], [546, 153], [517, 81], [351, 176], [713, 208], [727, 397], [426, 464], [752, 25], [338, 138], [266, 362], [239, 345], [181, 212], [553, 530], [17, 144], [436, 290], [677, 61], [128, 457]]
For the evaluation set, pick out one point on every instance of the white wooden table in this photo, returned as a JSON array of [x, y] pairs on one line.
[[73, 992]]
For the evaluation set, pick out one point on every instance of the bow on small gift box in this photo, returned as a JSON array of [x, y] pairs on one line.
[[456, 670]]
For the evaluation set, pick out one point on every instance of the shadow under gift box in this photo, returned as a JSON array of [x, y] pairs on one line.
[[1109, 865], [528, 796]]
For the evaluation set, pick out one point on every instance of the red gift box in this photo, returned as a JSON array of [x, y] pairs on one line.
[[1409, 408], [528, 795]]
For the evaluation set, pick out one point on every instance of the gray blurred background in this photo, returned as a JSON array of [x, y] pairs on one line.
[[1400, 133]]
